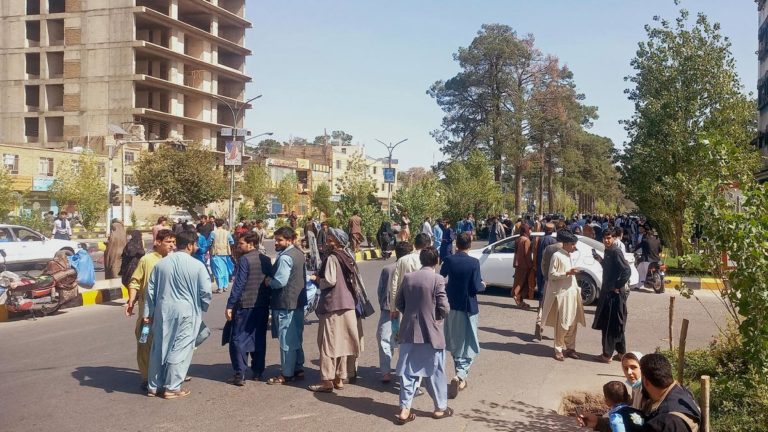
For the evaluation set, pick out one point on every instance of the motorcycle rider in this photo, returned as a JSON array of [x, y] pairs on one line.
[[651, 248]]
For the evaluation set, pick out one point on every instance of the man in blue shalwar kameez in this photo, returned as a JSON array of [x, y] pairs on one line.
[[247, 310], [289, 296], [178, 293], [464, 282], [219, 244]]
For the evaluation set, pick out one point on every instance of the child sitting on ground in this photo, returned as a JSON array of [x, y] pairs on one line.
[[622, 417]]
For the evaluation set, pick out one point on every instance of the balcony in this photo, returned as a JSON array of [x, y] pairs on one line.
[[55, 64], [55, 32], [149, 49], [32, 65], [54, 94], [33, 33], [32, 98]]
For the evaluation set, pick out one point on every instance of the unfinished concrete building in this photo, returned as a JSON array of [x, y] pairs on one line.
[[68, 68]]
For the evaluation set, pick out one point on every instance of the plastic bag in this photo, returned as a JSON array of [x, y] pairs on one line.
[[82, 262]]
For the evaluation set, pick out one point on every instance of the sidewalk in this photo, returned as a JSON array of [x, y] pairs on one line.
[[693, 282]]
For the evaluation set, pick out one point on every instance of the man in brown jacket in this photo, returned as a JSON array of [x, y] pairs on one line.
[[356, 230]]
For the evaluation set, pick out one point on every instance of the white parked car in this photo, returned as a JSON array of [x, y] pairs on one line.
[[27, 249], [497, 270]]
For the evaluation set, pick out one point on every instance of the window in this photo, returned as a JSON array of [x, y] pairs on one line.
[[129, 180], [383, 186], [344, 150], [374, 170], [45, 167], [24, 234], [11, 163], [338, 164], [507, 247], [129, 157]]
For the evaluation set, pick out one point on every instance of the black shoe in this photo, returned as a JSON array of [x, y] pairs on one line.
[[237, 380]]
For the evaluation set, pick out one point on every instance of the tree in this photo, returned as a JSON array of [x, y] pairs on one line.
[[268, 146], [356, 183], [413, 175], [341, 137], [321, 199], [297, 141], [488, 103], [685, 91], [470, 187], [423, 198], [7, 200], [80, 182], [187, 178], [256, 186], [285, 191]]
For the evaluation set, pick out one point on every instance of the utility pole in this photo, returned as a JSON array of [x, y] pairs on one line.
[[235, 117], [389, 175]]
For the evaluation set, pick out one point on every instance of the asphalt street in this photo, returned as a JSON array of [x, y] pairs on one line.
[[76, 371]]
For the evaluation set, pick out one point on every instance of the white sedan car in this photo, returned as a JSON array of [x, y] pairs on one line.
[[27, 249], [497, 270]]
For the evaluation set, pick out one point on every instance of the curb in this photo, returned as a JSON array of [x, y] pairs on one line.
[[367, 255], [693, 282], [105, 291]]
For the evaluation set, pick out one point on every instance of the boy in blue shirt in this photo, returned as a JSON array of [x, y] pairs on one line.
[[622, 417]]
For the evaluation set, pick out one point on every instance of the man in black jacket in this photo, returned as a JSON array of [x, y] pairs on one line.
[[672, 407], [611, 313], [651, 249]]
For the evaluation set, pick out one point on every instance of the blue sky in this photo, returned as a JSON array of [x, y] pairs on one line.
[[364, 66]]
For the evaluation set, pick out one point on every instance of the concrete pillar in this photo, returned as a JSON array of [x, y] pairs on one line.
[[173, 9], [215, 25]]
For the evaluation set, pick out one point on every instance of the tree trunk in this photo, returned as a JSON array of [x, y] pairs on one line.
[[550, 188], [677, 232], [540, 203], [518, 188]]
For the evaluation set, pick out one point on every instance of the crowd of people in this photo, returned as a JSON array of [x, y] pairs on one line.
[[427, 302]]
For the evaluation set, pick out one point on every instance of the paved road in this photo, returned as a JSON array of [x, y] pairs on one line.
[[76, 371]]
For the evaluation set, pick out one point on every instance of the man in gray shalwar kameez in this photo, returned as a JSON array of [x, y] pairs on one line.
[[178, 293]]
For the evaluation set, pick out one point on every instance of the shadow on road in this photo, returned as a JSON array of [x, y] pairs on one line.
[[530, 418], [525, 337], [532, 349], [366, 405], [108, 378]]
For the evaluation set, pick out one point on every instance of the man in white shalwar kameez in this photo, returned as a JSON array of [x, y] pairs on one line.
[[563, 309], [178, 293]]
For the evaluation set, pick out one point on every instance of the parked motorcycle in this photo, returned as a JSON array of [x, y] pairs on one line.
[[46, 293], [654, 277]]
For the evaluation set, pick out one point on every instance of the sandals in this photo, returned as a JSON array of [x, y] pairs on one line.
[[180, 393], [521, 304], [338, 384], [401, 421], [279, 380], [320, 388], [448, 412]]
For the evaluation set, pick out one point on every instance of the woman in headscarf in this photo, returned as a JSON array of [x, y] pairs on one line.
[[114, 250], [337, 335], [384, 237], [523, 264], [132, 253]]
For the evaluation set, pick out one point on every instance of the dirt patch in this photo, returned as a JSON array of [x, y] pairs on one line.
[[588, 401]]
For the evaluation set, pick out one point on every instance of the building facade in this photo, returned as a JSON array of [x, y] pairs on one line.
[[161, 69], [762, 86]]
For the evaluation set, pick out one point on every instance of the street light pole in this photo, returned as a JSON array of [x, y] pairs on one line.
[[232, 172], [390, 148]]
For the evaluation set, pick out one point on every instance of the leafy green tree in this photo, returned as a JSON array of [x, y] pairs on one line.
[[7, 201], [685, 91], [356, 184], [286, 192], [342, 137], [321, 199], [469, 187], [265, 147], [256, 187], [80, 183], [424, 198], [740, 230], [488, 104], [187, 178]]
